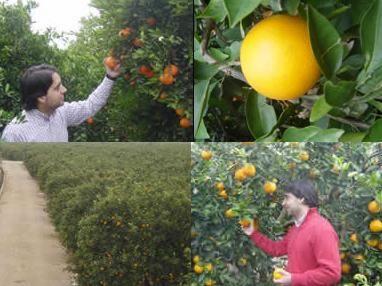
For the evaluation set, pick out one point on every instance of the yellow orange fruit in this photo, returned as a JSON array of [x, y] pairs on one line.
[[111, 62], [354, 237], [171, 69], [196, 259], [374, 207], [249, 170], [219, 186], [269, 187], [166, 79], [208, 267], [229, 213], [277, 59], [345, 268], [209, 282], [206, 155], [375, 225], [245, 223], [240, 175], [372, 242], [304, 156], [223, 194], [198, 269], [276, 274]]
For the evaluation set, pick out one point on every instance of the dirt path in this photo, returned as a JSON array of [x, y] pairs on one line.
[[30, 252]]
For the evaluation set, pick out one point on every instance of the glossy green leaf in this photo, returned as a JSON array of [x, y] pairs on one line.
[[352, 137], [312, 134], [204, 70], [202, 133], [371, 36], [320, 109], [375, 132], [237, 10], [215, 10], [326, 43], [202, 91], [217, 54], [261, 117], [340, 93], [358, 9]]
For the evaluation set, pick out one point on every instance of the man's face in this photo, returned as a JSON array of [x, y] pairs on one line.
[[55, 96], [292, 204]]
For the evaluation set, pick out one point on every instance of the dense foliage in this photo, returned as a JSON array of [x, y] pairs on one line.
[[123, 210]]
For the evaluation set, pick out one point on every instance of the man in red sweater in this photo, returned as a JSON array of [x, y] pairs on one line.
[[312, 244]]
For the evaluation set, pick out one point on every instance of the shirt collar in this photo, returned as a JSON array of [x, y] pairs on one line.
[[36, 114], [299, 221]]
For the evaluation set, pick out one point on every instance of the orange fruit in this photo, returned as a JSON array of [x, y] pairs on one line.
[[171, 69], [372, 242], [240, 175], [206, 155], [185, 122], [198, 269], [111, 62], [245, 223], [138, 42], [249, 170], [219, 186], [124, 33], [354, 237], [166, 79], [209, 282], [304, 156], [90, 120], [208, 267], [374, 207], [144, 69], [229, 213], [151, 21], [277, 59], [223, 194], [196, 259], [276, 274], [375, 225], [179, 111], [269, 187], [345, 268]]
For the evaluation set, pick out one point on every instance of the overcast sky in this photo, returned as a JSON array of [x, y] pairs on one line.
[[63, 15]]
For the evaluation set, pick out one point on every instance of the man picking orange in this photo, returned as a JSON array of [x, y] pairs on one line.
[[312, 245]]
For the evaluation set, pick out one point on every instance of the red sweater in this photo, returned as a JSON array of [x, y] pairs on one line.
[[312, 249]]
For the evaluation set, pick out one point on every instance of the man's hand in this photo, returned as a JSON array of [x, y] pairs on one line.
[[248, 230], [112, 66], [285, 280]]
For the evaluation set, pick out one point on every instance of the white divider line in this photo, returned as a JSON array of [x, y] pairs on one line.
[[3, 181]]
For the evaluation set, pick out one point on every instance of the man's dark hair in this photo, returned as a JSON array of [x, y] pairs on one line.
[[35, 83], [303, 189]]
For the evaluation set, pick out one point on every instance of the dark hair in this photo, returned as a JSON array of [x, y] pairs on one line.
[[303, 189], [35, 83]]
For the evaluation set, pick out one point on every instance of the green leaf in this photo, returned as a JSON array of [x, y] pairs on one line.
[[340, 93], [234, 51], [371, 36], [217, 54], [358, 9], [261, 117], [202, 91], [312, 134], [202, 133], [237, 10], [292, 6], [205, 71], [376, 104], [320, 108], [215, 10], [352, 137], [326, 43], [370, 82], [375, 132]]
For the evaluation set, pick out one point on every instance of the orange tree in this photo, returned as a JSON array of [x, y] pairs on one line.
[[152, 40], [233, 183], [250, 77]]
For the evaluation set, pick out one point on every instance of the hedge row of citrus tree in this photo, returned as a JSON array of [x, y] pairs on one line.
[[123, 211], [232, 183], [151, 101], [344, 104]]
